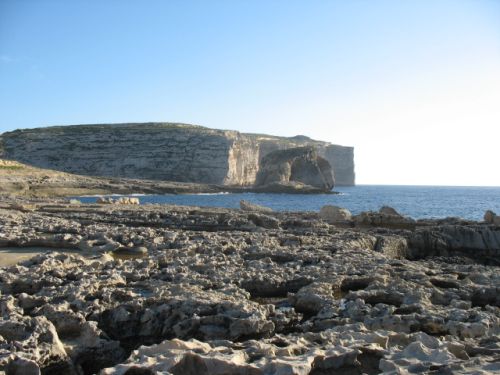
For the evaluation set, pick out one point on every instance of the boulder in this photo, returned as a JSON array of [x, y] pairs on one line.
[[134, 200], [386, 210], [248, 206], [101, 244], [395, 247], [476, 241], [300, 164], [377, 219], [334, 214], [23, 366], [127, 200], [264, 221], [489, 216], [35, 339], [312, 298], [104, 200]]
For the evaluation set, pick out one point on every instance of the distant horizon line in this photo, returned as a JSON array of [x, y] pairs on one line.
[[422, 185]]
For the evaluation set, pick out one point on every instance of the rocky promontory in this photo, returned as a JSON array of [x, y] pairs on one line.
[[156, 289], [161, 151], [17, 179]]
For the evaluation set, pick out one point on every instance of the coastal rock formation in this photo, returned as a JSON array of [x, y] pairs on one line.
[[120, 200], [334, 214], [249, 206], [223, 291], [491, 218], [23, 180], [301, 164], [161, 151], [26, 181], [386, 217]]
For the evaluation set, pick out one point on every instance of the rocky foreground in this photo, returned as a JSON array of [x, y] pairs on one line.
[[186, 290]]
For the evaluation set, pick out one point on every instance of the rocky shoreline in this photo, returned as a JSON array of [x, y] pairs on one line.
[[23, 180], [188, 290]]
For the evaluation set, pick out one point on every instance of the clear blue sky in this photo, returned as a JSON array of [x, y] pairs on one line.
[[413, 85]]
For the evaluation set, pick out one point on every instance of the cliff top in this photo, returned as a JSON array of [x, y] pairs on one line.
[[131, 125], [167, 126]]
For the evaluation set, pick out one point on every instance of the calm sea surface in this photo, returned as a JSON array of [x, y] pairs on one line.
[[415, 201]]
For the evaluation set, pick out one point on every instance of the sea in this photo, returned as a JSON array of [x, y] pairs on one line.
[[417, 202]]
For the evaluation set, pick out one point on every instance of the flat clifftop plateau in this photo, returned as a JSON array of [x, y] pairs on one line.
[[187, 290], [161, 151]]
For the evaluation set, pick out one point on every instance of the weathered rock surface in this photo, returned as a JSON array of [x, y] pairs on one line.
[[492, 218], [386, 210], [18, 179], [386, 217], [249, 206], [301, 164], [21, 180], [120, 200], [161, 151], [334, 214], [234, 292]]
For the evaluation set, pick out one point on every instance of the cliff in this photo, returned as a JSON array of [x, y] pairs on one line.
[[161, 151]]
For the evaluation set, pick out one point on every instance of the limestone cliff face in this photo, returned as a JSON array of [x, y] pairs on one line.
[[342, 160], [156, 151], [161, 151], [243, 160]]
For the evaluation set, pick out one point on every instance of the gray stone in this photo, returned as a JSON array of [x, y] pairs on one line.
[[386, 210], [127, 200], [104, 200], [248, 206], [489, 217], [377, 219], [334, 214], [22, 366]]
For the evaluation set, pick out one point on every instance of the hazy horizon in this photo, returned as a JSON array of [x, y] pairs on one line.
[[414, 86]]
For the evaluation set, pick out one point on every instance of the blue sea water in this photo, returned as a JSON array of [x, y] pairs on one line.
[[414, 201]]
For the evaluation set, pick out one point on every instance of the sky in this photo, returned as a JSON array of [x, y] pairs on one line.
[[414, 86]]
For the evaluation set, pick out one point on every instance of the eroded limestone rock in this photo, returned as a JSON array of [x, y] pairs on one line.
[[334, 214], [300, 164], [252, 207], [229, 291]]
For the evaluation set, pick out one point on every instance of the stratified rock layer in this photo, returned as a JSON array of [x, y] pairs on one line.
[[161, 151], [219, 291]]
